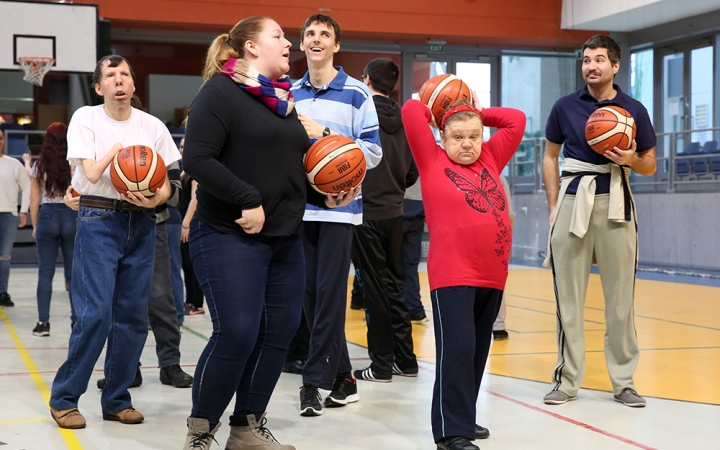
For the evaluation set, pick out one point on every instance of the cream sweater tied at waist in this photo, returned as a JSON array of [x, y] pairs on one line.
[[585, 196]]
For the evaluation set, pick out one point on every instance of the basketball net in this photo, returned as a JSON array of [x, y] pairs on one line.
[[35, 68]]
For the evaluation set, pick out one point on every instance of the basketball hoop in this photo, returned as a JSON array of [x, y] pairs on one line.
[[35, 68]]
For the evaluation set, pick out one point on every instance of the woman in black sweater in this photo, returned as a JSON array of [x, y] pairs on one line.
[[245, 146]]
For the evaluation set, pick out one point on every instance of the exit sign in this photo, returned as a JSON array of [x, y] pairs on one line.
[[436, 48]]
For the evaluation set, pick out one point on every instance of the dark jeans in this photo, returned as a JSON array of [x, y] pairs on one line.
[[378, 258], [54, 231], [178, 289], [111, 283], [327, 259], [413, 230], [463, 319], [193, 293], [161, 309], [254, 288]]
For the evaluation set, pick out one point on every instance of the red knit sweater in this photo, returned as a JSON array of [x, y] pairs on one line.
[[465, 206]]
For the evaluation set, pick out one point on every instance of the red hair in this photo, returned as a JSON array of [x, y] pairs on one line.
[[52, 168]]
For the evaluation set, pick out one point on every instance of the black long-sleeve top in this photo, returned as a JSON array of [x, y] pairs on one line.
[[243, 155]]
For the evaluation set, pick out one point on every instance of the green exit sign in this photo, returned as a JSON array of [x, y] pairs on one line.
[[436, 48]]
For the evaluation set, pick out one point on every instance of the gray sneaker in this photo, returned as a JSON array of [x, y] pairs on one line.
[[630, 398], [558, 398]]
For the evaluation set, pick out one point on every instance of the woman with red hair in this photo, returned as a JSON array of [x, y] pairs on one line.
[[54, 223]]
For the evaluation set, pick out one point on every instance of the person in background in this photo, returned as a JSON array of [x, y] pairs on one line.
[[377, 242], [54, 223], [188, 205], [13, 180], [498, 328], [413, 231]]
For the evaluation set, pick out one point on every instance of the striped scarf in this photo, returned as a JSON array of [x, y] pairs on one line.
[[274, 94]]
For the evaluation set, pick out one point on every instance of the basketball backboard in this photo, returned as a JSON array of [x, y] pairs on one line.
[[66, 32]]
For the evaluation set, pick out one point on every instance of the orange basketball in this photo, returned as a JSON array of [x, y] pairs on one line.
[[609, 127], [138, 169], [335, 163], [441, 91]]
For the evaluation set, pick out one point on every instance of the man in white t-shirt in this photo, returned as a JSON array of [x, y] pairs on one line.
[[114, 248], [13, 179]]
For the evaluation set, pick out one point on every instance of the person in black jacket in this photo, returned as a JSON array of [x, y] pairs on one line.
[[377, 245], [245, 146]]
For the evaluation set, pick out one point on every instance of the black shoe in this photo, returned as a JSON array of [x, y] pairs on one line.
[[356, 306], [42, 329], [5, 300], [419, 318], [174, 375], [481, 432], [405, 372], [456, 443], [500, 335], [136, 382], [367, 373], [296, 366], [344, 391], [310, 401]]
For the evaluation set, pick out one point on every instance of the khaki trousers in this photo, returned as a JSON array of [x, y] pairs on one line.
[[614, 245]]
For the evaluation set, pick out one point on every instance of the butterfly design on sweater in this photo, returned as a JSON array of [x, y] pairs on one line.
[[480, 198]]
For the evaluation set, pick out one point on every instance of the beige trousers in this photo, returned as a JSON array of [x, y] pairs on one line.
[[614, 245]]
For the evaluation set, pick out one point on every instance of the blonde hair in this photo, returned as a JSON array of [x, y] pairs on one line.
[[232, 45]]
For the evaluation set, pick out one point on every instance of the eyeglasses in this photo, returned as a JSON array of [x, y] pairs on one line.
[[362, 77]]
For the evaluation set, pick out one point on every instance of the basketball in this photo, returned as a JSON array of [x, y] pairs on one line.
[[335, 163], [609, 127], [138, 169], [73, 192], [441, 91]]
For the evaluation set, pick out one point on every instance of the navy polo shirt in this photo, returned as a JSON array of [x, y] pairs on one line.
[[566, 125]]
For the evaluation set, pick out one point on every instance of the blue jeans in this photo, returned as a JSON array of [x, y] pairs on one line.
[[8, 230], [178, 288], [112, 277], [55, 230], [254, 287]]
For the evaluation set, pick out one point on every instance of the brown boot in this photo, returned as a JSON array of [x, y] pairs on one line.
[[254, 436], [199, 436], [127, 416], [68, 418]]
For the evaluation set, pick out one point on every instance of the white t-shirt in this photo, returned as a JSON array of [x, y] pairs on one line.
[[45, 198], [92, 133]]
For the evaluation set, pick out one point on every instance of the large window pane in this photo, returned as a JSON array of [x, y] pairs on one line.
[[641, 78]]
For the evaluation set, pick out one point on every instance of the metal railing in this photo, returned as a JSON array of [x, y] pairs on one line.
[[677, 169]]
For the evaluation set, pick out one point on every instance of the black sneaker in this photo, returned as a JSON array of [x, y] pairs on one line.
[[295, 367], [500, 335], [136, 382], [456, 443], [174, 375], [367, 373], [407, 372], [344, 391], [419, 318], [42, 329], [5, 300], [310, 401], [481, 432]]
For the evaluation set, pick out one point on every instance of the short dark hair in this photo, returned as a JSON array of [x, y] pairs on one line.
[[606, 42], [114, 61], [383, 74], [322, 19]]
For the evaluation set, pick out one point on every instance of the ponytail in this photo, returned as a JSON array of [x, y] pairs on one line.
[[232, 45]]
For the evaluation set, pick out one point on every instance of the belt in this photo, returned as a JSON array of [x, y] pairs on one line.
[[112, 205]]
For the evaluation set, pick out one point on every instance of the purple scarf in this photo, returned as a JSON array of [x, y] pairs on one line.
[[275, 95]]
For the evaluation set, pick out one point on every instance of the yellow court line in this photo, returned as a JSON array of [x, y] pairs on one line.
[[68, 435]]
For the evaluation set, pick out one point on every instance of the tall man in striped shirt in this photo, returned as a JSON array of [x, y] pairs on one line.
[[328, 102]]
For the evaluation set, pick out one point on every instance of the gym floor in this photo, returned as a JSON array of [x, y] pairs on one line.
[[678, 326]]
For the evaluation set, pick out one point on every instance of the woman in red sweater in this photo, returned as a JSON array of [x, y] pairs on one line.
[[470, 241]]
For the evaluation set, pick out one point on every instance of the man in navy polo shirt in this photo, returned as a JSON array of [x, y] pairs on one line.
[[592, 219]]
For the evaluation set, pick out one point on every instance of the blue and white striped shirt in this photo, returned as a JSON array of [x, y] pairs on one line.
[[346, 107]]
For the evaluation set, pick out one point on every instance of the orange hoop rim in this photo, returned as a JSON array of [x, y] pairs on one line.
[[36, 59]]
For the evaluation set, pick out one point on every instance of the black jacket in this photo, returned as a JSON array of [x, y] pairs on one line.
[[384, 186]]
